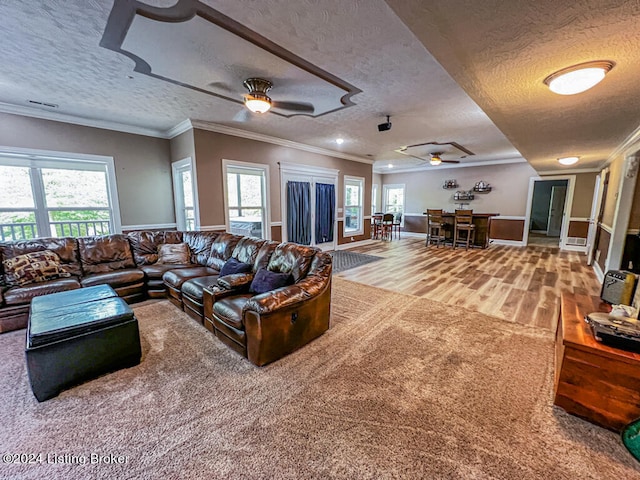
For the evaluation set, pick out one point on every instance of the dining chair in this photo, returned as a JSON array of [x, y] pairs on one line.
[[387, 225], [376, 225], [464, 223], [395, 226], [435, 227]]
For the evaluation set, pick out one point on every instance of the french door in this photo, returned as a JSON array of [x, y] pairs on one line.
[[309, 214]]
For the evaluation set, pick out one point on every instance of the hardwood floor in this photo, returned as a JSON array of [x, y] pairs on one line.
[[521, 284]]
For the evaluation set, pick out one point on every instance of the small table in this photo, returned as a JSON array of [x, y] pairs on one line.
[[78, 335], [592, 380]]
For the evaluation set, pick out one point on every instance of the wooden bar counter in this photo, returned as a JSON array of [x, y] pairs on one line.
[[482, 221], [592, 380]]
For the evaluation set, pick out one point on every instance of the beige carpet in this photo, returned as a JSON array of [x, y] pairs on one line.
[[399, 387]]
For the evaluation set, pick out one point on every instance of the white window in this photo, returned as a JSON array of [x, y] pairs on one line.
[[184, 192], [44, 195], [393, 199], [374, 199], [353, 205], [246, 209]]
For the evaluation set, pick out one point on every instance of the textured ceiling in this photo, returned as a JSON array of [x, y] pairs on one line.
[[498, 56], [501, 54]]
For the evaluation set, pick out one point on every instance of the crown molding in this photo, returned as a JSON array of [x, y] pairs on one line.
[[236, 132], [179, 129], [569, 171], [75, 120], [627, 144], [443, 166]]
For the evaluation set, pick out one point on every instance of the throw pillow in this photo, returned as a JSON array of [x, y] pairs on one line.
[[266, 280], [173, 253], [33, 267], [234, 266]]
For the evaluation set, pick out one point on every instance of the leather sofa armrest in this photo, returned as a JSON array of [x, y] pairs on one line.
[[312, 286], [236, 281], [266, 303]]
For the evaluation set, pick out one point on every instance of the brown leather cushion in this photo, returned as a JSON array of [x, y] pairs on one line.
[[221, 249], [115, 279], [229, 310], [247, 249], [173, 253], [156, 270], [105, 254], [175, 278], [144, 245], [199, 245], [193, 288], [22, 295], [292, 258]]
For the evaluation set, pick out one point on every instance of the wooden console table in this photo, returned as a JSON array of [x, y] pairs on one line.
[[594, 381]]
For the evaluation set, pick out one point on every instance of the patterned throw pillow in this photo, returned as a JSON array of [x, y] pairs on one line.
[[33, 267], [173, 253]]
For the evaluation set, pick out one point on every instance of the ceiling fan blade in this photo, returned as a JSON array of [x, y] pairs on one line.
[[450, 161], [221, 86], [294, 106], [242, 116]]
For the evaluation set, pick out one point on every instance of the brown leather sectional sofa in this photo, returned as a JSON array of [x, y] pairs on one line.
[[262, 327]]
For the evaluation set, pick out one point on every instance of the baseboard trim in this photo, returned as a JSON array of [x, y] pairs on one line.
[[361, 243], [510, 243], [574, 248], [150, 226], [414, 234], [212, 228], [598, 272]]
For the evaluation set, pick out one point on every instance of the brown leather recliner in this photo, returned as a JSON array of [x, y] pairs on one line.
[[225, 247], [205, 248], [265, 327]]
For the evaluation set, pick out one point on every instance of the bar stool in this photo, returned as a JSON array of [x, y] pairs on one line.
[[435, 227], [464, 223]]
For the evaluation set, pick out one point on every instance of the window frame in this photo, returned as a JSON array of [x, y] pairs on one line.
[[350, 180], [178, 193], [385, 192], [266, 208], [374, 198], [36, 160]]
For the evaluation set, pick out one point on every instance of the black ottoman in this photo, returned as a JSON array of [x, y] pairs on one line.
[[78, 335]]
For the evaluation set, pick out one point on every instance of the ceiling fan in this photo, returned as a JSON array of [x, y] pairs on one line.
[[257, 100], [437, 160]]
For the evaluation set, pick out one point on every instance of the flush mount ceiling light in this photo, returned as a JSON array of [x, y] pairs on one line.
[[568, 160], [339, 141], [578, 78], [435, 159], [390, 165], [257, 99]]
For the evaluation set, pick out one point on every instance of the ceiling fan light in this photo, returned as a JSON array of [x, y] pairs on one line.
[[568, 160], [257, 102], [435, 160], [578, 78]]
